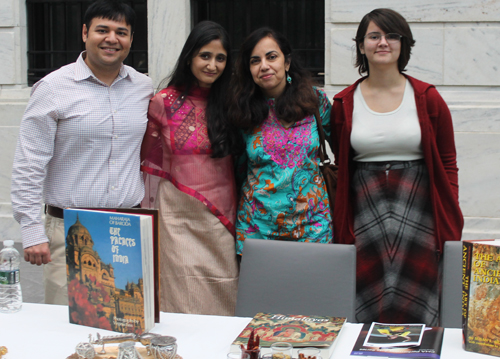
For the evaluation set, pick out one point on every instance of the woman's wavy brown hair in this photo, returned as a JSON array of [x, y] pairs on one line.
[[248, 107]]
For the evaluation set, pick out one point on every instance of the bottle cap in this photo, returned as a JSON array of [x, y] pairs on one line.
[[8, 243]]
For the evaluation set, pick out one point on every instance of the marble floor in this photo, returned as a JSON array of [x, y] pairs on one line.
[[31, 280]]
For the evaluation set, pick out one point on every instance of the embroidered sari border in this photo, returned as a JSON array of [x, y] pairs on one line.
[[159, 173]]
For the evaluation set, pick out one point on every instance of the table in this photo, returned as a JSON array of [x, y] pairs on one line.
[[43, 331]]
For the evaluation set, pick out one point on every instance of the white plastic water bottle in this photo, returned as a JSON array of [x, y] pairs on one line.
[[11, 298]]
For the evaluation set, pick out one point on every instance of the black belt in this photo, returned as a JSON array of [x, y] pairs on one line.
[[388, 165], [54, 211], [59, 212]]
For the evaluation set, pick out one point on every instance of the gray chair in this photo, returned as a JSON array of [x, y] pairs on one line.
[[297, 278], [451, 296]]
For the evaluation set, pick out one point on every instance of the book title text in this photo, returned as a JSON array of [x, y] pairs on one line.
[[117, 241], [302, 319], [483, 273]]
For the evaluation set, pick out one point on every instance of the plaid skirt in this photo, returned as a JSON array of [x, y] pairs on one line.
[[397, 279]]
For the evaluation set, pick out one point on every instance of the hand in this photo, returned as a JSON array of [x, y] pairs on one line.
[[39, 254]]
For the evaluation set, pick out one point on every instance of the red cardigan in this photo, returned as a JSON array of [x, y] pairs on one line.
[[438, 145]]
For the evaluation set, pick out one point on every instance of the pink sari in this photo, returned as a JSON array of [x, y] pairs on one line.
[[176, 147], [196, 196]]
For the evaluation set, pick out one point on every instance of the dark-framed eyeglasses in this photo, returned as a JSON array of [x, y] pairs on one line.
[[377, 36]]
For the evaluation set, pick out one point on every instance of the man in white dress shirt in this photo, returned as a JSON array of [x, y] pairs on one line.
[[80, 139]]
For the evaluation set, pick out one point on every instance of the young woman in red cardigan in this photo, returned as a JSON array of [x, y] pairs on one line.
[[397, 192]]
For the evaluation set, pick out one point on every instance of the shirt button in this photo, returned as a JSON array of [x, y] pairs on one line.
[[388, 166], [192, 128], [112, 187], [116, 136], [113, 162]]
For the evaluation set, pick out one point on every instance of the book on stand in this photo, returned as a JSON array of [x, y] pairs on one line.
[[299, 330], [431, 340], [110, 269], [154, 214], [481, 296]]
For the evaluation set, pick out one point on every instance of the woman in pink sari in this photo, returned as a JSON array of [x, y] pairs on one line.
[[189, 177]]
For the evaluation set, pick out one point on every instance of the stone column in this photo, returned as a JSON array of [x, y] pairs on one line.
[[169, 24], [14, 44], [14, 95]]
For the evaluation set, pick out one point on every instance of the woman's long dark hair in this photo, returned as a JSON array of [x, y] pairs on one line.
[[220, 133], [248, 106]]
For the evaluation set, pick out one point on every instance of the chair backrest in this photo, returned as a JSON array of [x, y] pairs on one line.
[[297, 278], [451, 296]]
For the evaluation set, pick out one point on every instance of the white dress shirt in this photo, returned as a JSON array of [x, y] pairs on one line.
[[79, 144]]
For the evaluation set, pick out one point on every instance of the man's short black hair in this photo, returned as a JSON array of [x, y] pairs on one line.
[[110, 9]]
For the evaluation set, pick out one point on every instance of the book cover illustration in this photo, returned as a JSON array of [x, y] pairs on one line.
[[105, 268], [154, 213], [299, 330], [394, 335], [429, 348], [481, 296]]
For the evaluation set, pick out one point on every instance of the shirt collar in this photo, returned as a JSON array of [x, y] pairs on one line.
[[82, 71]]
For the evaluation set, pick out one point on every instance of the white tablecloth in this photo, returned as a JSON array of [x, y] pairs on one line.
[[41, 331]]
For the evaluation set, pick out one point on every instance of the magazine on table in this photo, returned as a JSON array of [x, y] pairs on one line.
[[301, 331], [429, 348]]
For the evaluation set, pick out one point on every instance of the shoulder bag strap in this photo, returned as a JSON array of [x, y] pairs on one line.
[[323, 156]]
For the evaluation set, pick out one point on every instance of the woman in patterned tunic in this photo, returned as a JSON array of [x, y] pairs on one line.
[[283, 195], [397, 190], [186, 149]]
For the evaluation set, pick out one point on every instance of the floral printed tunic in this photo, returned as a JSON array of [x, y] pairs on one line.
[[283, 195]]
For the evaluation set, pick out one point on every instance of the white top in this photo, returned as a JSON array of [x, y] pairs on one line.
[[388, 136], [79, 144]]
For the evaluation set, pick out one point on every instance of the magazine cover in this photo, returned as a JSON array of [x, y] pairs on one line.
[[109, 260], [394, 335], [429, 348], [299, 330]]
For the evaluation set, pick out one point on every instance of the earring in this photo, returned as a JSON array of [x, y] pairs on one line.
[[288, 78]]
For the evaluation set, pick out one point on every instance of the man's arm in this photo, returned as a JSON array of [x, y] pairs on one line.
[[38, 254], [33, 152]]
